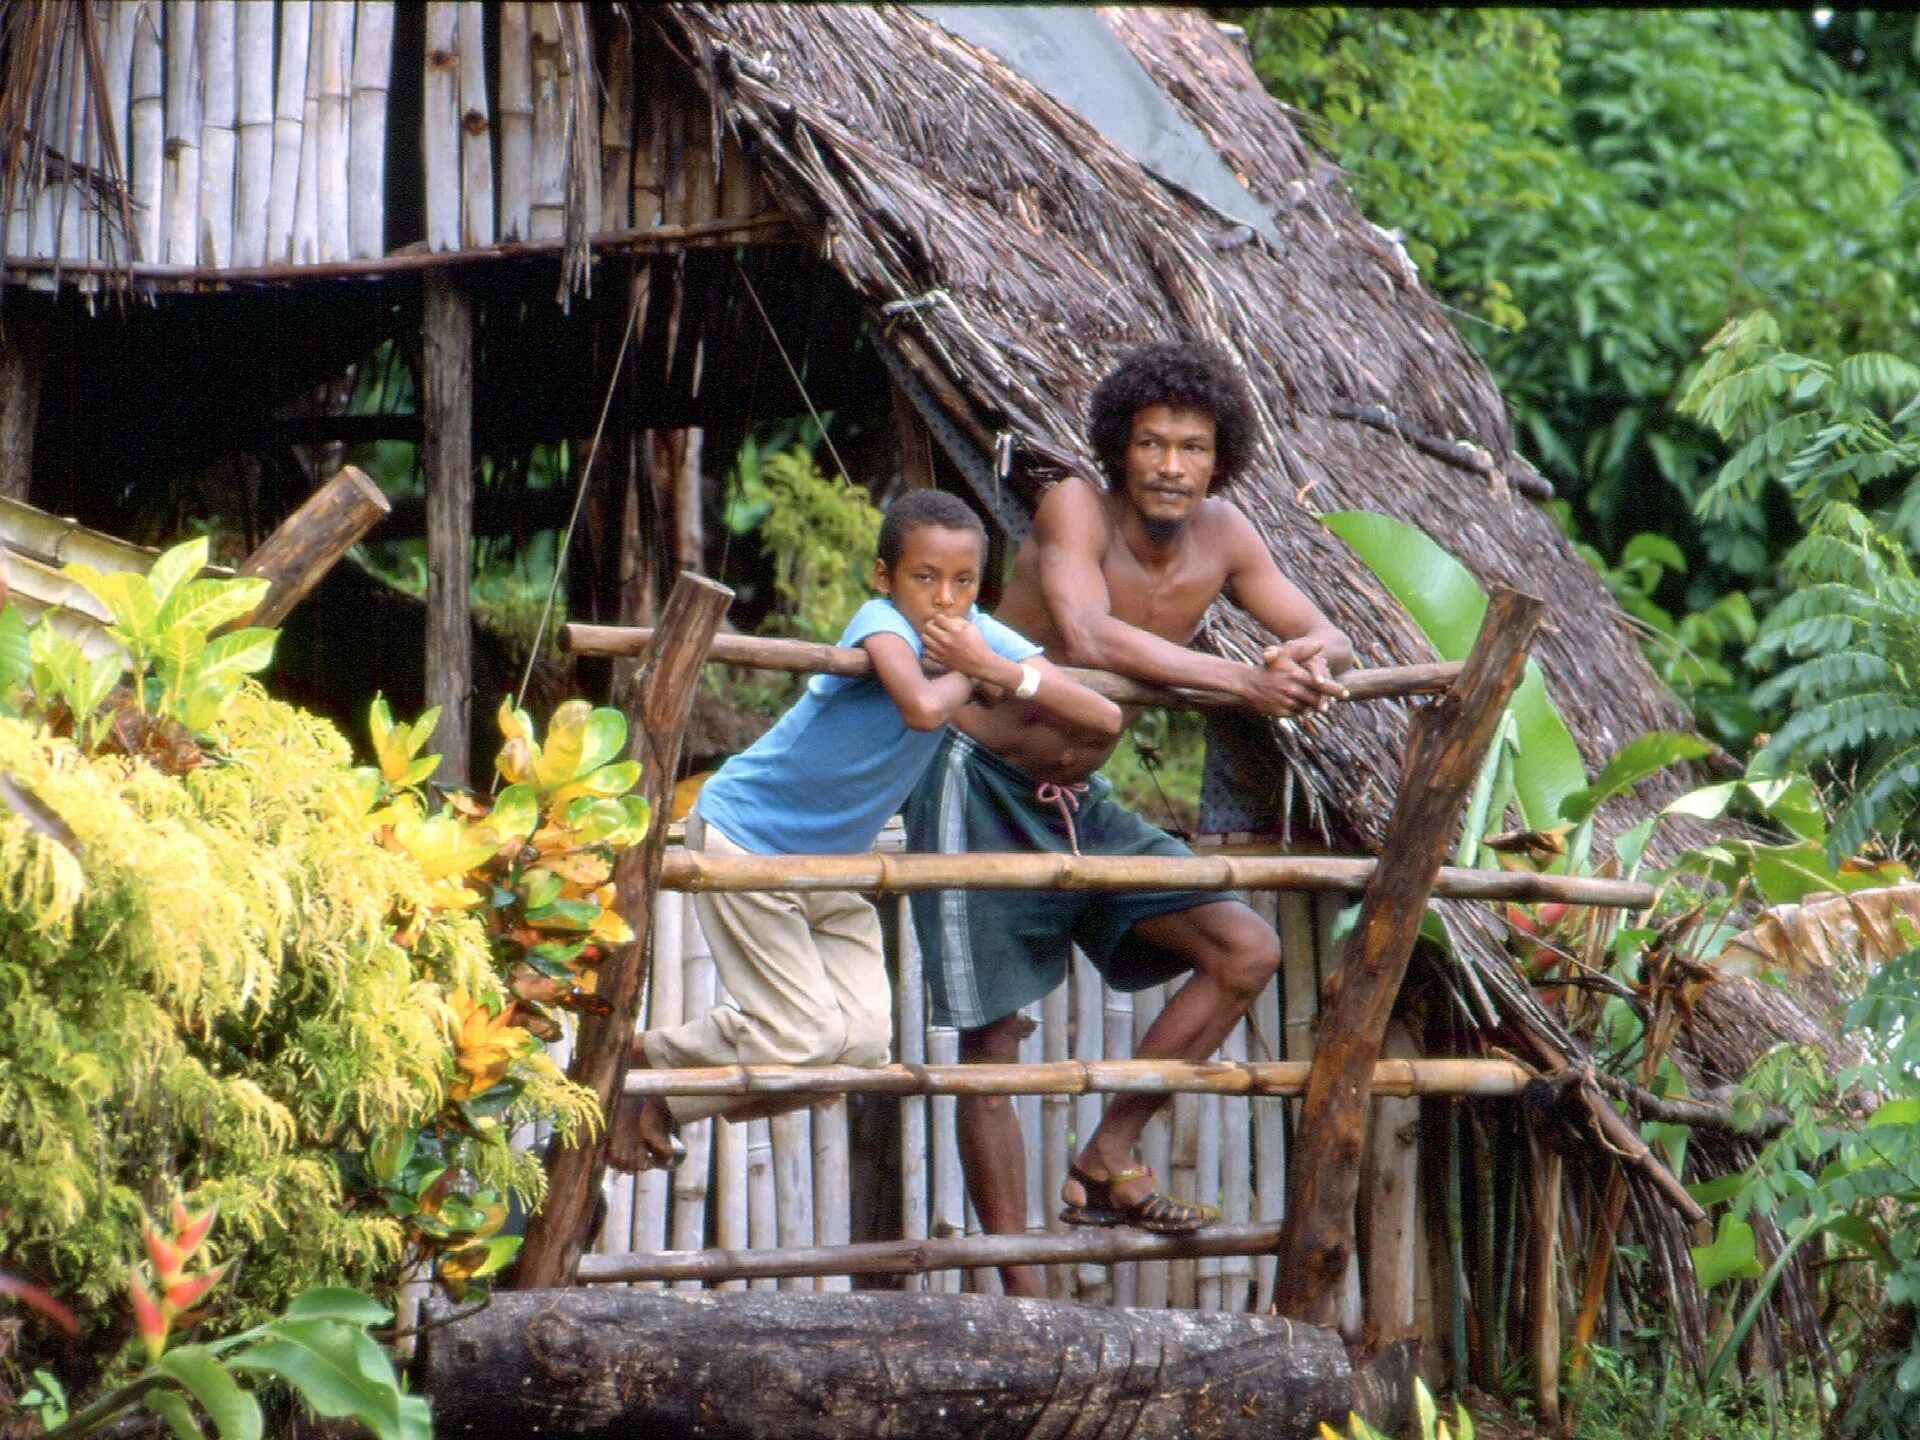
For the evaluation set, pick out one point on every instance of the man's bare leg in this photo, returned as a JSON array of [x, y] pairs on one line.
[[993, 1153], [1233, 953]]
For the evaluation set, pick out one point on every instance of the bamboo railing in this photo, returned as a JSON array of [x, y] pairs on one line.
[[1399, 1077]]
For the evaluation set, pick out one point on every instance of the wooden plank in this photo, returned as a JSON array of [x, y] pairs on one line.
[[548, 213], [911, 1007], [146, 131], [440, 124], [949, 1182], [476, 131], [666, 1007], [1156, 1145], [333, 44], [304, 245], [219, 139], [793, 1187], [763, 1197], [690, 1178], [832, 1182], [768, 652], [289, 126], [180, 167], [556, 1236], [309, 542], [1236, 1177], [1445, 745], [516, 122], [616, 132], [367, 153], [253, 177], [1056, 1125], [730, 1193], [446, 462]]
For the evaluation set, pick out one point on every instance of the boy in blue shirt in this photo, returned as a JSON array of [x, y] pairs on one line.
[[805, 973]]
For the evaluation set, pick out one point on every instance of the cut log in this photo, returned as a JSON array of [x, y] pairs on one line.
[[1445, 746], [558, 1234], [797, 1366], [311, 540]]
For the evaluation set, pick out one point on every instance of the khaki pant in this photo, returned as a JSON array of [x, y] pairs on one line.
[[806, 981]]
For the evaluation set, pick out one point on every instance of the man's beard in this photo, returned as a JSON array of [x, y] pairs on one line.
[[1162, 531]]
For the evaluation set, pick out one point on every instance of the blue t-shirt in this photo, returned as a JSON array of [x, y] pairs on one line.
[[828, 775]]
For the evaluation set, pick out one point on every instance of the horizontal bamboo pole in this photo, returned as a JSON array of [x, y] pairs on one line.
[[1480, 1078], [808, 657], [711, 232], [916, 1257], [896, 874]]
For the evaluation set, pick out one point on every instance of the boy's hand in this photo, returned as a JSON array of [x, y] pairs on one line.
[[958, 645]]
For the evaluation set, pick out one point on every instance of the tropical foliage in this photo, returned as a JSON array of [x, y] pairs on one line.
[[237, 970]]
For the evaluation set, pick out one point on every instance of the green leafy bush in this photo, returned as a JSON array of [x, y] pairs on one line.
[[235, 969]]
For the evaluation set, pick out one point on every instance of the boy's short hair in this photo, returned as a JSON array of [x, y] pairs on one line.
[[918, 509], [1184, 375]]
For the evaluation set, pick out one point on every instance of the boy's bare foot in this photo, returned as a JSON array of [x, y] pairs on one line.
[[641, 1136]]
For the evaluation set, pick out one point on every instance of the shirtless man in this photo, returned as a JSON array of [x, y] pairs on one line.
[[1114, 580]]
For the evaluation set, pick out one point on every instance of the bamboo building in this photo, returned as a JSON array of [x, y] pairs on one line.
[[644, 229]]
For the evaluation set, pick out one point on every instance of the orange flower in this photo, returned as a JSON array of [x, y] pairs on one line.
[[149, 1318]]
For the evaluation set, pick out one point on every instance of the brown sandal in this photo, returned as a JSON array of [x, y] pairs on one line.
[[1155, 1212]]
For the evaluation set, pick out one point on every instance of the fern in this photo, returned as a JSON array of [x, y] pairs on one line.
[[1842, 442]]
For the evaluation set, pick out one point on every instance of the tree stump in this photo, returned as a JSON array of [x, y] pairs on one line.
[[789, 1366]]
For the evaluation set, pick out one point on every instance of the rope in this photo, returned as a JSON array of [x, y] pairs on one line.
[[798, 383], [579, 497]]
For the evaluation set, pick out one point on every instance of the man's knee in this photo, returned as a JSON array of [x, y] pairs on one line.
[[1246, 956], [995, 1043]]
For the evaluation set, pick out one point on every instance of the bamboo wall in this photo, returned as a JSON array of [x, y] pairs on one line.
[[799, 1180], [255, 136]]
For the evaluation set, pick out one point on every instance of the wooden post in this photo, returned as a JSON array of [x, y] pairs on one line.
[[21, 363], [516, 122], [309, 541], [1392, 1191], [557, 1235], [1445, 745], [446, 461], [1543, 1275], [476, 142]]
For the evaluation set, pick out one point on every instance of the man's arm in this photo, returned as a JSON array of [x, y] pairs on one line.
[[1070, 537], [1313, 649]]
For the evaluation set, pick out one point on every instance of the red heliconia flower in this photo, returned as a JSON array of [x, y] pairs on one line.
[[185, 1293], [149, 1318], [164, 1253], [190, 1230]]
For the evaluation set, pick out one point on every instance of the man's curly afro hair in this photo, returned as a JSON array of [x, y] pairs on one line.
[[1183, 376]]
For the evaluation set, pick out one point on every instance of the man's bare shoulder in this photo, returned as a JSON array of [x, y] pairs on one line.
[[1069, 501]]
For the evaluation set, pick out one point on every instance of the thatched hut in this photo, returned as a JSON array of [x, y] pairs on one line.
[[628, 227]]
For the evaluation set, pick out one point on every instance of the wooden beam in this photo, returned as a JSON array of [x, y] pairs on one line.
[[769, 229], [797, 1366], [446, 461], [311, 540], [1402, 1077], [1446, 743], [923, 1256], [766, 652], [558, 1234], [892, 874]]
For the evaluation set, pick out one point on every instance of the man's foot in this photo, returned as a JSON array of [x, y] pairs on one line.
[[1129, 1197], [641, 1136]]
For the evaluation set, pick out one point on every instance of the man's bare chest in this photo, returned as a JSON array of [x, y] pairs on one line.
[[1168, 600]]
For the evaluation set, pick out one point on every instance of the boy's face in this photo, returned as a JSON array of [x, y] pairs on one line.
[[1170, 457], [938, 573]]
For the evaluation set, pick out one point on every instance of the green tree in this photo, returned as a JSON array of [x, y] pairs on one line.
[[1606, 190]]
